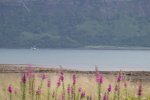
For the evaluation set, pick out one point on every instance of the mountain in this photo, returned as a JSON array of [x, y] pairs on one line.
[[74, 23]]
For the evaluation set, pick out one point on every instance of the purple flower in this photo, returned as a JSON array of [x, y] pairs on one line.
[[44, 77], [24, 78], [119, 77], [109, 88], [48, 83], [140, 90], [74, 79], [97, 76], [99, 79], [72, 91], [62, 73], [10, 88], [69, 89], [58, 83], [80, 89], [62, 77], [105, 97], [83, 94]]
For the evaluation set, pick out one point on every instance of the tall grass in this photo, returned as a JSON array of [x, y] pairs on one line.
[[64, 86]]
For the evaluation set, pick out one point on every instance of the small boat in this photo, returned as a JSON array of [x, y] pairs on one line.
[[33, 48]]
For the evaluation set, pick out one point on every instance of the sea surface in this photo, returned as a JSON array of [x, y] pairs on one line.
[[79, 59]]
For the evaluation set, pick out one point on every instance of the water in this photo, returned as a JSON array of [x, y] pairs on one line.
[[79, 59]]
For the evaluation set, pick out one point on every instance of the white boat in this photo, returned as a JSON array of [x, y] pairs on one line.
[[33, 48]]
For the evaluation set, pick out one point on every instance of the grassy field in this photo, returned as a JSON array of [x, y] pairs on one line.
[[70, 86]]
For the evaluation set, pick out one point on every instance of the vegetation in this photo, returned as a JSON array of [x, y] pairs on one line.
[[74, 23], [64, 86]]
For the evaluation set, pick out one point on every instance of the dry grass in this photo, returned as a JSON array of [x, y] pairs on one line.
[[86, 81]]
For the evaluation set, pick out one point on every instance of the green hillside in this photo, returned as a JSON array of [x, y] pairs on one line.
[[74, 23]]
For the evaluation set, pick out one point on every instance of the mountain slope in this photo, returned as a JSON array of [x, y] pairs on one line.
[[74, 23]]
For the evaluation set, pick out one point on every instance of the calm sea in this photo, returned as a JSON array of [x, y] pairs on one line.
[[79, 59]]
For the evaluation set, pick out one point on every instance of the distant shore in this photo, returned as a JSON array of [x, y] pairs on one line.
[[103, 47], [116, 48], [18, 68]]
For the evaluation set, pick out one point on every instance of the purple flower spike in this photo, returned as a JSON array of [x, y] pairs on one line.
[[140, 90], [69, 89], [105, 97], [10, 88], [109, 88], [83, 94], [74, 79], [99, 79], [44, 77], [72, 91], [58, 83], [62, 76], [119, 77], [48, 83], [80, 89], [24, 78]]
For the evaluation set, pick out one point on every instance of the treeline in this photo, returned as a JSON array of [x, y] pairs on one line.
[[74, 23]]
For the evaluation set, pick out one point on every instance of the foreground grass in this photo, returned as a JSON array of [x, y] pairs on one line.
[[65, 86]]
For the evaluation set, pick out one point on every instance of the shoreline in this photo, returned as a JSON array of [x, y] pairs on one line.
[[19, 68], [94, 48]]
